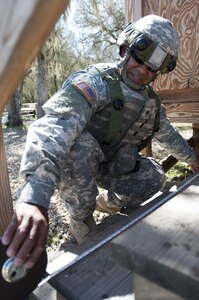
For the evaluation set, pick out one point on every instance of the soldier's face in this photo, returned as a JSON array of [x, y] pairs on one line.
[[139, 73]]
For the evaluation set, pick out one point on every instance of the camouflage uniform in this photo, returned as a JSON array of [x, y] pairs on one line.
[[65, 149], [61, 152]]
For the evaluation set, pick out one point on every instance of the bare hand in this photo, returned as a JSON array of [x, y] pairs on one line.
[[195, 165], [26, 235]]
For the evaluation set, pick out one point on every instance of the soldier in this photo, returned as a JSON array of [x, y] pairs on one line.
[[91, 136]]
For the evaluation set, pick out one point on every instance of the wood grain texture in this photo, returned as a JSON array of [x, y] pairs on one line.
[[6, 210], [182, 106], [95, 277], [24, 26], [163, 247], [183, 112], [185, 17]]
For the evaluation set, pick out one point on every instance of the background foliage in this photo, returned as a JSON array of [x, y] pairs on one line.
[[85, 34], [91, 38]]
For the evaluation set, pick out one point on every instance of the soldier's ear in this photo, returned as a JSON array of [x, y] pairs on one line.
[[122, 50]]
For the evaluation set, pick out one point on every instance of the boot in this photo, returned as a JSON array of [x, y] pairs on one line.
[[80, 229], [103, 206]]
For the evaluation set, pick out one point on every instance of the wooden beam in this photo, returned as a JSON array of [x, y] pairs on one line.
[[182, 106], [162, 246], [147, 151], [183, 112], [24, 27], [6, 209], [196, 137], [179, 96]]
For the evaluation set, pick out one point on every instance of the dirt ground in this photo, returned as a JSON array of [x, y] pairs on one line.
[[60, 240]]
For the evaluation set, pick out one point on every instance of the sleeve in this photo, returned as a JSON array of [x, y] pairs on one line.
[[171, 140], [49, 140]]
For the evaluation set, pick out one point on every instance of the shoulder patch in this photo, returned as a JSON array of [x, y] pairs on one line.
[[86, 90]]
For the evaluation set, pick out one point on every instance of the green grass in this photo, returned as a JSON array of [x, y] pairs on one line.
[[23, 126], [26, 123], [53, 241], [178, 172], [181, 169]]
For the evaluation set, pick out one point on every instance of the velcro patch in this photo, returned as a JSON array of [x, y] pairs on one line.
[[86, 90]]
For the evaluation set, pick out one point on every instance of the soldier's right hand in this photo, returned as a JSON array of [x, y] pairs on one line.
[[26, 235]]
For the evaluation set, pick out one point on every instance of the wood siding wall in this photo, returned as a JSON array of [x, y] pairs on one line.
[[178, 90], [185, 17]]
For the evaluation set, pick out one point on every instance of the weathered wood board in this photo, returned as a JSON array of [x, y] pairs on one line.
[[6, 209], [185, 17], [24, 26], [182, 84], [96, 277], [163, 247]]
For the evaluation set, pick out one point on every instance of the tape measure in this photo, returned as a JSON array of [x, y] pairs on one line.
[[16, 283], [11, 273]]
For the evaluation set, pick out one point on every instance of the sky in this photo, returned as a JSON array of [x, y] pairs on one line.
[[70, 16]]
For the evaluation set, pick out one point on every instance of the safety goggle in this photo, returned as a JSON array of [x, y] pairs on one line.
[[140, 62], [155, 56]]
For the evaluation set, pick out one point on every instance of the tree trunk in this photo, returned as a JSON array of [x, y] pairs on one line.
[[14, 108], [42, 84]]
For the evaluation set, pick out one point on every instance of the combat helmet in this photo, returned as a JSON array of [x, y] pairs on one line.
[[152, 40]]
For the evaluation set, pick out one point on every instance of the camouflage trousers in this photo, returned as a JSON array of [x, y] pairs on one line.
[[86, 171]]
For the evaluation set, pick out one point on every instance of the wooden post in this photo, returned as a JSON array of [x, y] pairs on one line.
[[148, 150], [196, 137], [6, 209], [24, 27]]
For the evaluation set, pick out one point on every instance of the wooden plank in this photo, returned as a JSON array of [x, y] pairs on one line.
[[163, 247], [196, 136], [182, 106], [24, 27], [147, 290], [86, 273], [147, 151], [6, 210], [20, 40], [22, 33], [186, 21], [179, 96], [96, 277], [179, 90], [183, 112], [46, 292]]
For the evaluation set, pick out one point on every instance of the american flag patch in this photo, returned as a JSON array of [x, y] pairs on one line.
[[86, 90]]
